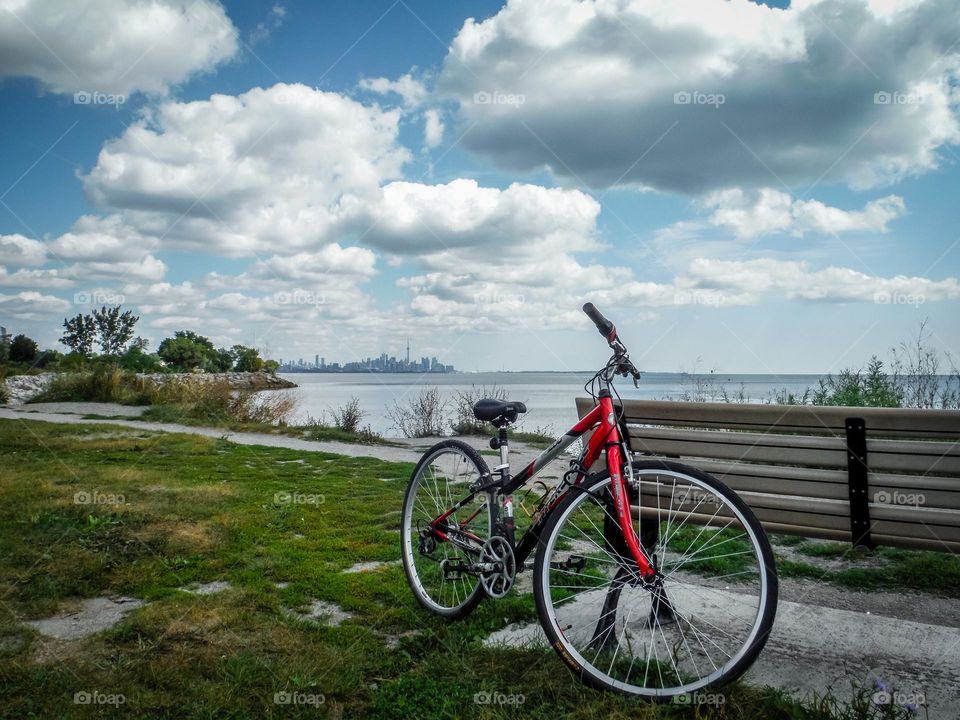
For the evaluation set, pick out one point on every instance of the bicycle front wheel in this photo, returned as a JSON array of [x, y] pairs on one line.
[[701, 622]]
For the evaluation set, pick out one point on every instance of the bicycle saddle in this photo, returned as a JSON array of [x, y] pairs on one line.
[[489, 409]]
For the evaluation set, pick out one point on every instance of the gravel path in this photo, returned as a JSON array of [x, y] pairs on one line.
[[409, 450]]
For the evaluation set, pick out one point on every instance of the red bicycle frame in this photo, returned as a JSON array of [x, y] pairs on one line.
[[603, 421]]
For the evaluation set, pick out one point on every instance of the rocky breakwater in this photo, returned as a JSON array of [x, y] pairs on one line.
[[236, 380], [21, 388]]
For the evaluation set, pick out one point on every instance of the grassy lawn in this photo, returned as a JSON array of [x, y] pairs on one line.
[[196, 510], [895, 569]]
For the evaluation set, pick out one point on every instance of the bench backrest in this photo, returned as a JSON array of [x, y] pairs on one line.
[[870, 475]]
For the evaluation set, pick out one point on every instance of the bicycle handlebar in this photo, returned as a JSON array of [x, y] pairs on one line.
[[606, 328]]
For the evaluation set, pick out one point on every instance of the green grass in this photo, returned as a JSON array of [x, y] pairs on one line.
[[197, 510]]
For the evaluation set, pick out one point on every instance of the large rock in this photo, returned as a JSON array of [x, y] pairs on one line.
[[22, 388], [237, 380]]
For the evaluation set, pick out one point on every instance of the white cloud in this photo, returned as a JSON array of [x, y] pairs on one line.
[[432, 128], [412, 91], [19, 250], [25, 278], [271, 170], [699, 95], [768, 211], [31, 305], [522, 219], [113, 46], [795, 280], [332, 262]]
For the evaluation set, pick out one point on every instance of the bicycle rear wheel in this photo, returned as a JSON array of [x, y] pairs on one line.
[[442, 477], [705, 618]]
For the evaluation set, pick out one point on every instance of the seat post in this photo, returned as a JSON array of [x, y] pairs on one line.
[[502, 442]]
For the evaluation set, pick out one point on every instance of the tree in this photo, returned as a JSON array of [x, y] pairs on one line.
[[114, 328], [186, 350], [79, 334], [246, 359], [23, 349], [136, 360], [220, 360]]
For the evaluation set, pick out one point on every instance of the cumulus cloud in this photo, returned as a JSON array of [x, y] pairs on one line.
[[795, 280], [113, 46], [412, 91], [270, 170], [31, 305], [768, 211], [432, 128], [701, 95], [17, 249], [419, 218], [712, 282]]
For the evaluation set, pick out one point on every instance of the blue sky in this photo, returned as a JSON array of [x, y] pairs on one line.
[[768, 189]]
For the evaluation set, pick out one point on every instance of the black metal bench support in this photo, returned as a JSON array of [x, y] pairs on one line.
[[858, 482]]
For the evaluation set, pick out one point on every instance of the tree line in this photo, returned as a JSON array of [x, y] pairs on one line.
[[108, 335]]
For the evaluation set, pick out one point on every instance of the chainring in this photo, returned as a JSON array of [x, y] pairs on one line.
[[497, 582]]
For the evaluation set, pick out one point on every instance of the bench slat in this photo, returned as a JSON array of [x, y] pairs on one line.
[[900, 422], [938, 492], [824, 452]]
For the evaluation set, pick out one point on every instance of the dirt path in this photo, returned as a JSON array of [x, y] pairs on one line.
[[410, 450]]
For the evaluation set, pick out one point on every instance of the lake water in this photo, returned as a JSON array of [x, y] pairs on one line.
[[549, 396]]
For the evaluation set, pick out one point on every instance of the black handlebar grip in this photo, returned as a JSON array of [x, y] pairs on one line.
[[605, 327]]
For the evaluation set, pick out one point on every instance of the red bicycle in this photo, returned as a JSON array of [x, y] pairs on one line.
[[650, 577]]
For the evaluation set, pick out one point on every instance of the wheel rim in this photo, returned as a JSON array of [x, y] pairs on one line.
[[715, 586], [441, 480]]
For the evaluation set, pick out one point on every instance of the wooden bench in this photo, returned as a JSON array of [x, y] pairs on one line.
[[869, 476]]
